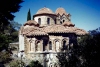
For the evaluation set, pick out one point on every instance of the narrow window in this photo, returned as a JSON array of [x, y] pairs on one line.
[[55, 21], [50, 45], [48, 20], [63, 20], [64, 45], [60, 22], [39, 20]]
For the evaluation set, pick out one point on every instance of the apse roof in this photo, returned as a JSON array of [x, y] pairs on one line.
[[31, 22]]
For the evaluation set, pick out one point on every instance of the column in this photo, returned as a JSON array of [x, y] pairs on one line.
[[33, 45], [41, 45]]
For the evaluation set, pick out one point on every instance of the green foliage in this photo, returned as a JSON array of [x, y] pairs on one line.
[[10, 35], [16, 63], [35, 64], [5, 57], [4, 42], [6, 12], [63, 62], [87, 53], [29, 15], [14, 36], [91, 50], [15, 25]]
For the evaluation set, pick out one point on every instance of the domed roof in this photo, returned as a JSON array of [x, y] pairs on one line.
[[44, 10], [68, 23], [31, 22], [60, 11]]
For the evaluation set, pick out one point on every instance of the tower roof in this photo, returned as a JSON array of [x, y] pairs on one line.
[[60, 11]]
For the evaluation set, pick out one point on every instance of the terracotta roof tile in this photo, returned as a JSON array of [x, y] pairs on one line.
[[31, 22], [68, 24], [61, 11], [30, 30], [58, 29], [45, 10], [33, 30]]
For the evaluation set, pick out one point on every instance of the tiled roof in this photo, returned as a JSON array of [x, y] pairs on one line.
[[31, 22], [30, 30], [61, 11], [58, 29], [68, 24], [80, 31], [54, 29]]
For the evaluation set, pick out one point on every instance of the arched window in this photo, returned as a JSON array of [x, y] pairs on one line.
[[48, 20], [37, 46], [50, 45], [30, 45], [55, 21], [39, 20], [63, 20], [64, 44], [60, 22]]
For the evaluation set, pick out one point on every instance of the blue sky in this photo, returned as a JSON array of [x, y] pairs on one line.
[[85, 14]]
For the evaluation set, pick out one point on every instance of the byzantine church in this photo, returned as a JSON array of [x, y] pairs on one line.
[[47, 34]]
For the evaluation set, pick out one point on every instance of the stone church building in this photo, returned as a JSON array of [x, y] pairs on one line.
[[47, 34]]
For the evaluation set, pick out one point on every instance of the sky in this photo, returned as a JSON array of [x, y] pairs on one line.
[[85, 14]]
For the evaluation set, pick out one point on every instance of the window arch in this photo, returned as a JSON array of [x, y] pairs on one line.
[[48, 20], [50, 45], [39, 20]]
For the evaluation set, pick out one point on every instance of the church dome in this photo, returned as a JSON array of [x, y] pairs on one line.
[[31, 22], [45, 10], [61, 11]]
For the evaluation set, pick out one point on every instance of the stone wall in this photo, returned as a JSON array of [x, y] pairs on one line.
[[44, 19]]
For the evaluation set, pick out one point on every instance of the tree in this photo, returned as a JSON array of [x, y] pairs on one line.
[[63, 61], [4, 41], [16, 63], [35, 64], [91, 50], [15, 25], [5, 57], [7, 9], [29, 15]]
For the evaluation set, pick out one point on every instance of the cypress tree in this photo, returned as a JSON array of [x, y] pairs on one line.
[[29, 15]]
